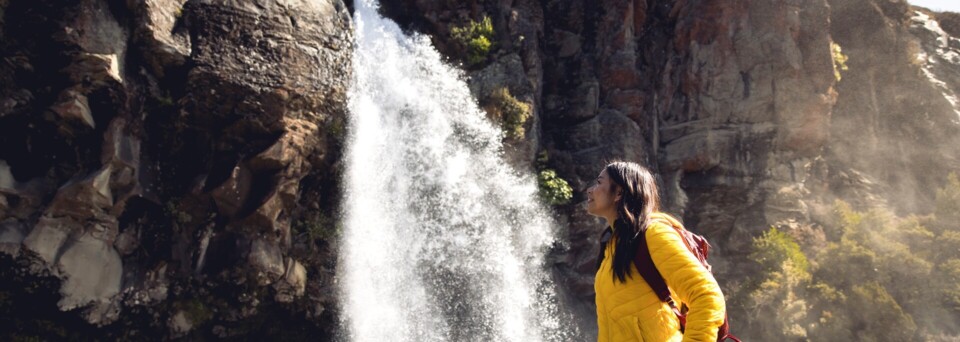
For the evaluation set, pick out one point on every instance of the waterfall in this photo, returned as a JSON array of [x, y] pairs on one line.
[[442, 240]]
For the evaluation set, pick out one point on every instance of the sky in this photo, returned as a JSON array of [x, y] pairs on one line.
[[938, 5]]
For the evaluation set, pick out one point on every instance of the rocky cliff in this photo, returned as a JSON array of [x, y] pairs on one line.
[[755, 113], [170, 167]]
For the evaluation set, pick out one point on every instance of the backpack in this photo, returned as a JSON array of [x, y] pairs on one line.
[[697, 245]]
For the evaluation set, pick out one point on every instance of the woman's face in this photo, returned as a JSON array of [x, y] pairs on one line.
[[600, 199]]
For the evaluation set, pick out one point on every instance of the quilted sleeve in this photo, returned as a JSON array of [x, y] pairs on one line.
[[689, 280]]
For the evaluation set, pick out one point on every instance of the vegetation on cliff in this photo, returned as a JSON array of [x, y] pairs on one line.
[[839, 60], [476, 38], [880, 278], [512, 114], [553, 189]]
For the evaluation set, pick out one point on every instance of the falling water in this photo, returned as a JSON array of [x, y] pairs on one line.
[[442, 241]]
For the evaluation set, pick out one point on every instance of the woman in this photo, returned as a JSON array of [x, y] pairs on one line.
[[625, 194]]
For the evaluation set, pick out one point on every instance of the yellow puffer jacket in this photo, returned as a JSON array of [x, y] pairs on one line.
[[631, 311]]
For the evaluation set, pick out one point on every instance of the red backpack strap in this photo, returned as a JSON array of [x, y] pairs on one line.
[[644, 263]]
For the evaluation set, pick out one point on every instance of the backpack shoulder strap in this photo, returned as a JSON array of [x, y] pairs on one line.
[[648, 270], [644, 263]]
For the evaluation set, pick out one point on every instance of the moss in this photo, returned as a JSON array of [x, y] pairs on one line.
[[512, 114], [195, 310], [181, 217], [163, 104], [336, 128], [318, 226], [553, 189], [166, 102], [476, 38], [839, 60]]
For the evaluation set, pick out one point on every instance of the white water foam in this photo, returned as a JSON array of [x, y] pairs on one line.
[[442, 241]]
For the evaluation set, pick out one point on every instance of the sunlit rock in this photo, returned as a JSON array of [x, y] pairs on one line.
[[74, 106], [91, 269]]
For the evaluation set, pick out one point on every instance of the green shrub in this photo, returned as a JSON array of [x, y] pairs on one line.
[[774, 248], [880, 318], [780, 292], [884, 265], [553, 189], [510, 112], [879, 277], [781, 298], [476, 38]]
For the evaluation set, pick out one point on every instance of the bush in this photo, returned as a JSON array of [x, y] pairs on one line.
[[553, 189], [881, 278], [510, 112], [880, 318], [775, 248], [780, 293], [887, 269], [476, 38]]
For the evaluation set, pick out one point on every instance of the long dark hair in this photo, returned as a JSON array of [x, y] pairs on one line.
[[638, 201]]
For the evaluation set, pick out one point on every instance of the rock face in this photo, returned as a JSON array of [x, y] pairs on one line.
[[896, 117], [736, 104], [173, 161], [730, 101], [169, 167]]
